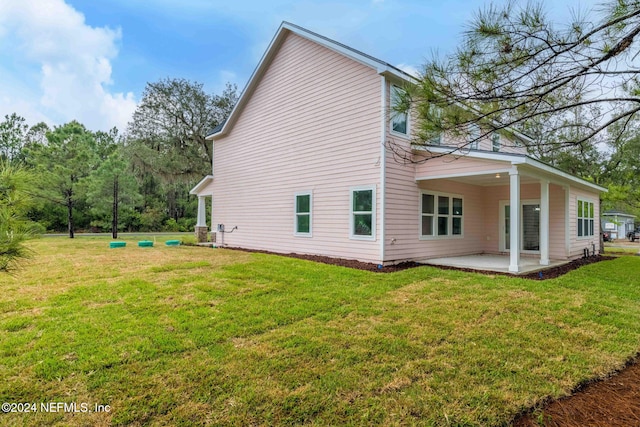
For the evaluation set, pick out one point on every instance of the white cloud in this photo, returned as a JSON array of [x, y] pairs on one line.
[[61, 66]]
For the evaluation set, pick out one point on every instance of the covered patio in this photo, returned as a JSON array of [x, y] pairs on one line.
[[492, 262], [520, 213]]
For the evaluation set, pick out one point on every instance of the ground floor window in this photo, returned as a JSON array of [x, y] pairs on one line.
[[303, 214], [363, 217], [441, 215], [586, 216]]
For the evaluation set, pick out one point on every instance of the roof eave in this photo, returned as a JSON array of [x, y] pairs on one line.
[[514, 159], [199, 186]]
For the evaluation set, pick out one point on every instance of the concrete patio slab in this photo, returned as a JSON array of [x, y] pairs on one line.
[[489, 262]]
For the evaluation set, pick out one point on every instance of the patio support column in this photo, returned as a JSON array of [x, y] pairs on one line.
[[544, 222], [201, 225], [202, 212], [514, 225]]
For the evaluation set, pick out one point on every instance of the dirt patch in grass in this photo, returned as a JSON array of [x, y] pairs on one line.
[[612, 402]]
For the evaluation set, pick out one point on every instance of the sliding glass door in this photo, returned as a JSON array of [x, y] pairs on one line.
[[529, 226]]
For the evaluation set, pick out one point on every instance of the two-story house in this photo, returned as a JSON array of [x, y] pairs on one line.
[[303, 165]]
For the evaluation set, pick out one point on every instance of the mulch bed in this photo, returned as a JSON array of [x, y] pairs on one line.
[[612, 402], [548, 273], [358, 265]]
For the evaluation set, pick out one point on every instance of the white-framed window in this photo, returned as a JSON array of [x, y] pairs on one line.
[[436, 140], [303, 214], [441, 215], [586, 218], [399, 119], [436, 113], [473, 137], [496, 144], [363, 213]]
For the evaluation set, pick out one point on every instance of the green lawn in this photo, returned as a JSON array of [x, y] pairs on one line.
[[201, 336]]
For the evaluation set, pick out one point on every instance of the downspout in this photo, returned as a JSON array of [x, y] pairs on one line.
[[567, 222], [383, 166]]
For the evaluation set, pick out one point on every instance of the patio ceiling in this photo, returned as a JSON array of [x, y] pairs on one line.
[[490, 180]]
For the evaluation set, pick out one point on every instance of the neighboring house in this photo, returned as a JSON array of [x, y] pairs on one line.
[[618, 224], [303, 165]]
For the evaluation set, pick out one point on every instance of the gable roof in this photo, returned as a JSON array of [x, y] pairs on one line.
[[286, 28]]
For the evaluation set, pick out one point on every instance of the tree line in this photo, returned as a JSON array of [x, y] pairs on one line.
[[136, 180]]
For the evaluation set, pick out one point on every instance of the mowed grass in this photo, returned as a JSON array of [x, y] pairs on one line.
[[199, 336], [619, 250]]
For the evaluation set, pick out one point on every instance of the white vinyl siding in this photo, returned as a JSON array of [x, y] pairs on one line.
[[313, 123], [363, 213]]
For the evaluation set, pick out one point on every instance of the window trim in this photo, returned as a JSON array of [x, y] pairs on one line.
[[352, 213], [435, 215], [296, 214], [393, 113], [592, 220]]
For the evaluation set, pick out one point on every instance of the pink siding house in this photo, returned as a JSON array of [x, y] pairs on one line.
[[304, 165]]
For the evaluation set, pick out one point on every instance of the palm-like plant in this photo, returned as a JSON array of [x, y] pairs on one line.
[[15, 227]]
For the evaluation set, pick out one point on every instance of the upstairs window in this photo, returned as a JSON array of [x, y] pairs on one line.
[[496, 144], [436, 140], [473, 138], [399, 119]]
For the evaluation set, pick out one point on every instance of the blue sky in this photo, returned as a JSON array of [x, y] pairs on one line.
[[89, 60]]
